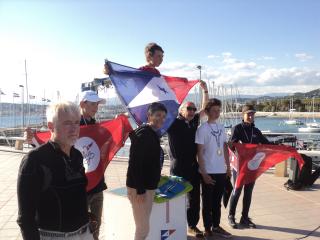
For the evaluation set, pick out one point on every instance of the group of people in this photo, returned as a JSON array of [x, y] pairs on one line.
[[199, 154], [52, 198]]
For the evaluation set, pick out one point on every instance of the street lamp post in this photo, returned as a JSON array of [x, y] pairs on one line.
[[200, 92], [1, 93], [199, 67], [22, 101], [13, 110]]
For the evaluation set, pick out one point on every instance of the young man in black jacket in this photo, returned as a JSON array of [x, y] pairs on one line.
[[244, 132], [145, 161]]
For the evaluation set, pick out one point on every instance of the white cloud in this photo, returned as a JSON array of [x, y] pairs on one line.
[[250, 77], [213, 56], [236, 64], [289, 77], [241, 66], [226, 54], [188, 70], [303, 57], [267, 58]]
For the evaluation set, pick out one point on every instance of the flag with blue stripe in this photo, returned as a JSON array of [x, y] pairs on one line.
[[138, 89]]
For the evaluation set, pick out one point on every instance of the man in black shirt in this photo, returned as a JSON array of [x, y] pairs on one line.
[[244, 132], [184, 155], [51, 189], [89, 102]]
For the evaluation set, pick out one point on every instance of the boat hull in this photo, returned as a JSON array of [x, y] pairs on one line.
[[310, 129]]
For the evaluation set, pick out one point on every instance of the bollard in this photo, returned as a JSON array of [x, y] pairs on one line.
[[18, 145], [281, 169]]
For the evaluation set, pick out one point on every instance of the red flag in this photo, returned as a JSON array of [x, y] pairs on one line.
[[233, 159], [255, 159], [180, 86], [98, 144]]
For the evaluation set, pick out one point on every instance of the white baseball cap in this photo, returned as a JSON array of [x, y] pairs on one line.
[[91, 96]]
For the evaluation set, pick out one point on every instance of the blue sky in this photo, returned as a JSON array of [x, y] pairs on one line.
[[259, 46]]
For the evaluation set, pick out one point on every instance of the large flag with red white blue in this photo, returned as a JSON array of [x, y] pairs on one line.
[[98, 144], [138, 89], [251, 160]]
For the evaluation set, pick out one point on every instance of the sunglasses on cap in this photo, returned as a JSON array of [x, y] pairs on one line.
[[192, 109], [250, 113]]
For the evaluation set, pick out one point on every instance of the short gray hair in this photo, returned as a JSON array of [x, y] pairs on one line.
[[56, 109]]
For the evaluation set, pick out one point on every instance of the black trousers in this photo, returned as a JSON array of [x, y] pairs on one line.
[[314, 176], [247, 195], [211, 200], [193, 208]]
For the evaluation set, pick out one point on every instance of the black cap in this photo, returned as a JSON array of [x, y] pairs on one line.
[[248, 108]]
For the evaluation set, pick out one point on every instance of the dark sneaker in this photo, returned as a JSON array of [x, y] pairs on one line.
[[246, 222], [195, 232], [208, 233], [232, 222], [221, 232]]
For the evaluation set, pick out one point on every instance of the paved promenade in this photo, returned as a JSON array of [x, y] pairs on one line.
[[279, 214]]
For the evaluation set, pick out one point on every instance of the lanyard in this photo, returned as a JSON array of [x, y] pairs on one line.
[[249, 140], [216, 134]]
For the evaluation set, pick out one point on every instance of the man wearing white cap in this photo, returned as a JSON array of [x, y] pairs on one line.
[[89, 102]]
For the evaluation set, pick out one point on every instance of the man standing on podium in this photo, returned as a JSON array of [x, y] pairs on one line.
[[183, 150]]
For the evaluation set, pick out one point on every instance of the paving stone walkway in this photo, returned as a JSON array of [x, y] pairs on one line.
[[278, 213]]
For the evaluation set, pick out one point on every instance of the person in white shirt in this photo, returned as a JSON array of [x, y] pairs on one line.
[[214, 166]]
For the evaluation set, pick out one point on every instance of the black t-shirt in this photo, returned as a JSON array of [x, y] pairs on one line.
[[183, 149], [101, 186], [51, 191]]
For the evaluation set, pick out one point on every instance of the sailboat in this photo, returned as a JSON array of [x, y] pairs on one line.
[[291, 120], [313, 126]]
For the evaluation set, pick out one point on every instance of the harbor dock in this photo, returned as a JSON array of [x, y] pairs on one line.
[[278, 213]]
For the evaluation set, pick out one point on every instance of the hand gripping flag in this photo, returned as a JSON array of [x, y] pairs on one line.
[[233, 159], [137, 89], [98, 144], [254, 159]]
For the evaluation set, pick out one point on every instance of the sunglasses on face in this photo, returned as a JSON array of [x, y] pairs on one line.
[[192, 109]]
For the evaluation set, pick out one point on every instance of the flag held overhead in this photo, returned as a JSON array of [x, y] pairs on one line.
[[138, 89]]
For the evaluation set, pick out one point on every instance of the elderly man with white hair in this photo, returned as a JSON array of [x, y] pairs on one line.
[[89, 102], [184, 154], [51, 189]]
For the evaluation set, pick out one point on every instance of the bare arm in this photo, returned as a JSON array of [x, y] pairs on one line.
[[205, 97], [106, 69], [207, 179], [28, 135]]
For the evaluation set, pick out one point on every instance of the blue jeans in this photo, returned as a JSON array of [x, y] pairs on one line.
[[246, 202]]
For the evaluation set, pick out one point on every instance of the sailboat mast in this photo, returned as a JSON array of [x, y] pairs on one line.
[[313, 109], [27, 90]]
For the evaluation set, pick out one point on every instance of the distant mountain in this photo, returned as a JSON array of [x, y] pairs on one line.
[[267, 95], [313, 93], [310, 94]]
